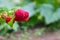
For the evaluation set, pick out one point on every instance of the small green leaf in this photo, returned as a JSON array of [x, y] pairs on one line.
[[15, 26], [10, 12], [11, 22], [2, 20]]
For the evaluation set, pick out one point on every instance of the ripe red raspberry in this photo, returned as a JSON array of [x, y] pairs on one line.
[[21, 15], [8, 19], [25, 20]]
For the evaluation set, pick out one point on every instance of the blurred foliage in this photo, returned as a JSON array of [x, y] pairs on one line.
[[48, 9]]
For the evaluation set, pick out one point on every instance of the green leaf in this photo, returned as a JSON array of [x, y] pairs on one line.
[[11, 22], [40, 1], [32, 20], [15, 26], [24, 2], [10, 12], [3, 25], [2, 20], [3, 9], [4, 28], [48, 12]]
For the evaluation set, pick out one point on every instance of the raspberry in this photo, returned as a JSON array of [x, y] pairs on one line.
[[21, 15], [25, 20], [8, 19]]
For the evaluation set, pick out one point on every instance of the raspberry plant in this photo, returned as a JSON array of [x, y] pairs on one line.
[[9, 20], [29, 13]]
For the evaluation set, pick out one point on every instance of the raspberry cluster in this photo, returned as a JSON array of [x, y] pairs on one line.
[[19, 16]]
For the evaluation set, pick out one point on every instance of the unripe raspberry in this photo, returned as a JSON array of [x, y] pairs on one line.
[[8, 19], [21, 15]]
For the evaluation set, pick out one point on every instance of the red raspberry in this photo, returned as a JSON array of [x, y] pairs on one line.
[[21, 15], [8, 19], [25, 20]]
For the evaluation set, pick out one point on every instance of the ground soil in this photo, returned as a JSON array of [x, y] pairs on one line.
[[47, 36]]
